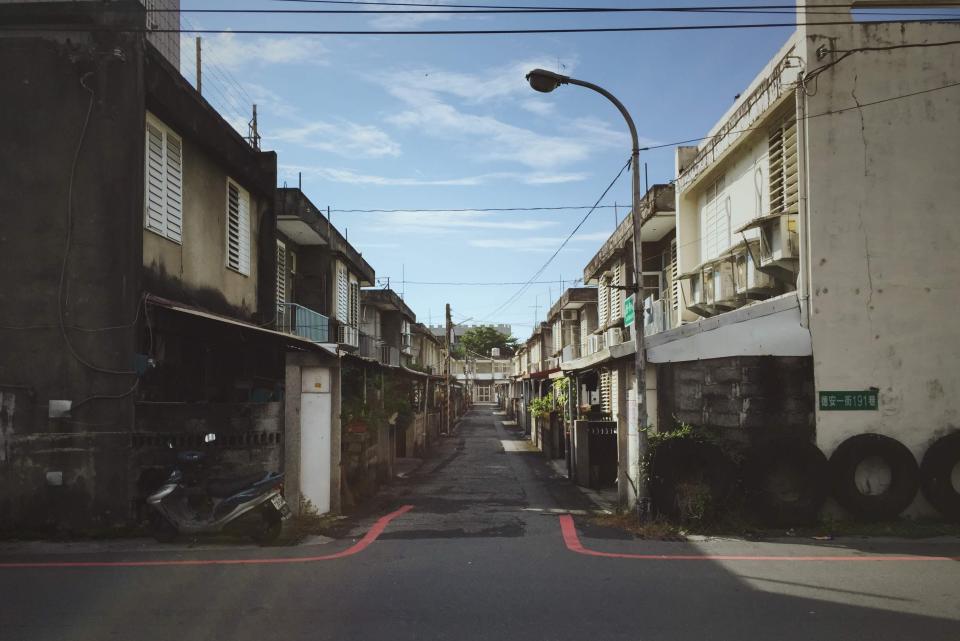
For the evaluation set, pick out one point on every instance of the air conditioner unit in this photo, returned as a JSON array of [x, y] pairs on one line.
[[569, 315], [724, 285], [700, 287], [594, 343], [779, 253], [751, 283], [613, 336]]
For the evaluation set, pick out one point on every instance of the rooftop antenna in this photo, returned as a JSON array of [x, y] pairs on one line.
[[616, 216], [253, 136], [403, 281], [300, 180]]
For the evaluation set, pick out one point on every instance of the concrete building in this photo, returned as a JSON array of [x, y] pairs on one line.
[[815, 229], [141, 232]]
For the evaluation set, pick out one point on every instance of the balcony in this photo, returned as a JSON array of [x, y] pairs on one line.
[[390, 355], [655, 317], [303, 321], [368, 346]]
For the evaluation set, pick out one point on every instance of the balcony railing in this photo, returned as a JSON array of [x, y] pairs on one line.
[[303, 321], [390, 355], [368, 346]]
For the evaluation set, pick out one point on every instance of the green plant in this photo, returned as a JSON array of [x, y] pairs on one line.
[[541, 407]]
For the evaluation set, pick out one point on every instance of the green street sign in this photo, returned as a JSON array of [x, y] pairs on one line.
[[628, 310], [855, 400]]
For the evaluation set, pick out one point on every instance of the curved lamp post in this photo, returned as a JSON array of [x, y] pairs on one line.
[[546, 81]]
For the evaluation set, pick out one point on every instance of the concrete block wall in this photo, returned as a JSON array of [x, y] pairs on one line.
[[747, 398]]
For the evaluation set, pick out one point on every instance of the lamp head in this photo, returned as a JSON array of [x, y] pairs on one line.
[[545, 81]]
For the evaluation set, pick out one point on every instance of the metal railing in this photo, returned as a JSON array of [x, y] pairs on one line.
[[303, 321], [369, 346], [390, 355]]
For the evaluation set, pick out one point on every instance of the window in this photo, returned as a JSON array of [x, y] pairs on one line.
[[782, 145], [674, 283], [354, 303], [715, 221], [238, 228], [163, 188], [603, 293], [343, 294], [281, 276], [616, 295]]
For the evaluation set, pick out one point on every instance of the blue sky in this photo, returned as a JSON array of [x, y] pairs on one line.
[[448, 122]]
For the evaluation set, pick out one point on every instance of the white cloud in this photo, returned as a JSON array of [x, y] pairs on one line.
[[347, 176], [408, 20], [234, 52], [538, 107], [341, 137], [490, 139], [535, 243], [442, 221]]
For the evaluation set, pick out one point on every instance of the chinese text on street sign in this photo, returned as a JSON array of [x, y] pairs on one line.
[[855, 400]]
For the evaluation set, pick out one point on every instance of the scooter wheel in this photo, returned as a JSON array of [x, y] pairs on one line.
[[270, 526], [162, 530]]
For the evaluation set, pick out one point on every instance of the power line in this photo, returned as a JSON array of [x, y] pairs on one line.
[[479, 284], [468, 210], [450, 32], [543, 268], [447, 9]]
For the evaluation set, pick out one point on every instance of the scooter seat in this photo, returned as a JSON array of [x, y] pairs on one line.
[[227, 487]]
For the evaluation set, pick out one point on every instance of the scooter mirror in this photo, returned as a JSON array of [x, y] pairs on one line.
[[209, 438]]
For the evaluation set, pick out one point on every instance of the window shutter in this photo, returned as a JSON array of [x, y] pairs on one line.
[[174, 179], [238, 228], [354, 303], [343, 313], [606, 406], [602, 298], [782, 147], [155, 184], [281, 276], [715, 225], [616, 295], [674, 281]]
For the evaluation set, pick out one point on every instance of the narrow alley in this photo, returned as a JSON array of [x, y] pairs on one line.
[[480, 555]]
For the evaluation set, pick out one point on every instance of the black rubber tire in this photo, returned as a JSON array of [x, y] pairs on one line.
[[680, 461], [935, 475], [904, 473], [269, 528], [805, 469]]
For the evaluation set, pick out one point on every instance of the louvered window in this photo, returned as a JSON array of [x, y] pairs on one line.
[[238, 228], [674, 284], [281, 276], [616, 295], [354, 303], [343, 294], [783, 167], [715, 221], [603, 298], [163, 188], [606, 402]]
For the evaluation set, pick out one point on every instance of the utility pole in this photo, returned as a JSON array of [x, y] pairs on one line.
[[199, 69], [545, 82], [446, 421]]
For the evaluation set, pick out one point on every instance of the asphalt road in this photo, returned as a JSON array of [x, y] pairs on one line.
[[481, 556]]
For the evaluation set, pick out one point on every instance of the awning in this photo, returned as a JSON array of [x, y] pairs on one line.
[[756, 222], [290, 339]]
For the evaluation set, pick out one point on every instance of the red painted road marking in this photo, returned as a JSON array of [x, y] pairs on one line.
[[569, 530], [359, 546]]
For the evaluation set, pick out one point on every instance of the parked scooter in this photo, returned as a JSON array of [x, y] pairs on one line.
[[189, 503]]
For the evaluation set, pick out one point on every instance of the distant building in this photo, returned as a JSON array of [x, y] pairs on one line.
[[460, 330]]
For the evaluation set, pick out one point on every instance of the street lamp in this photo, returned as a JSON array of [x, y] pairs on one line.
[[546, 81]]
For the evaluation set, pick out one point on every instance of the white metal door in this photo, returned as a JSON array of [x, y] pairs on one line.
[[315, 452]]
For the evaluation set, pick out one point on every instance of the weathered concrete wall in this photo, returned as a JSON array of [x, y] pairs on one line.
[[52, 80], [200, 262], [747, 398], [882, 194]]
